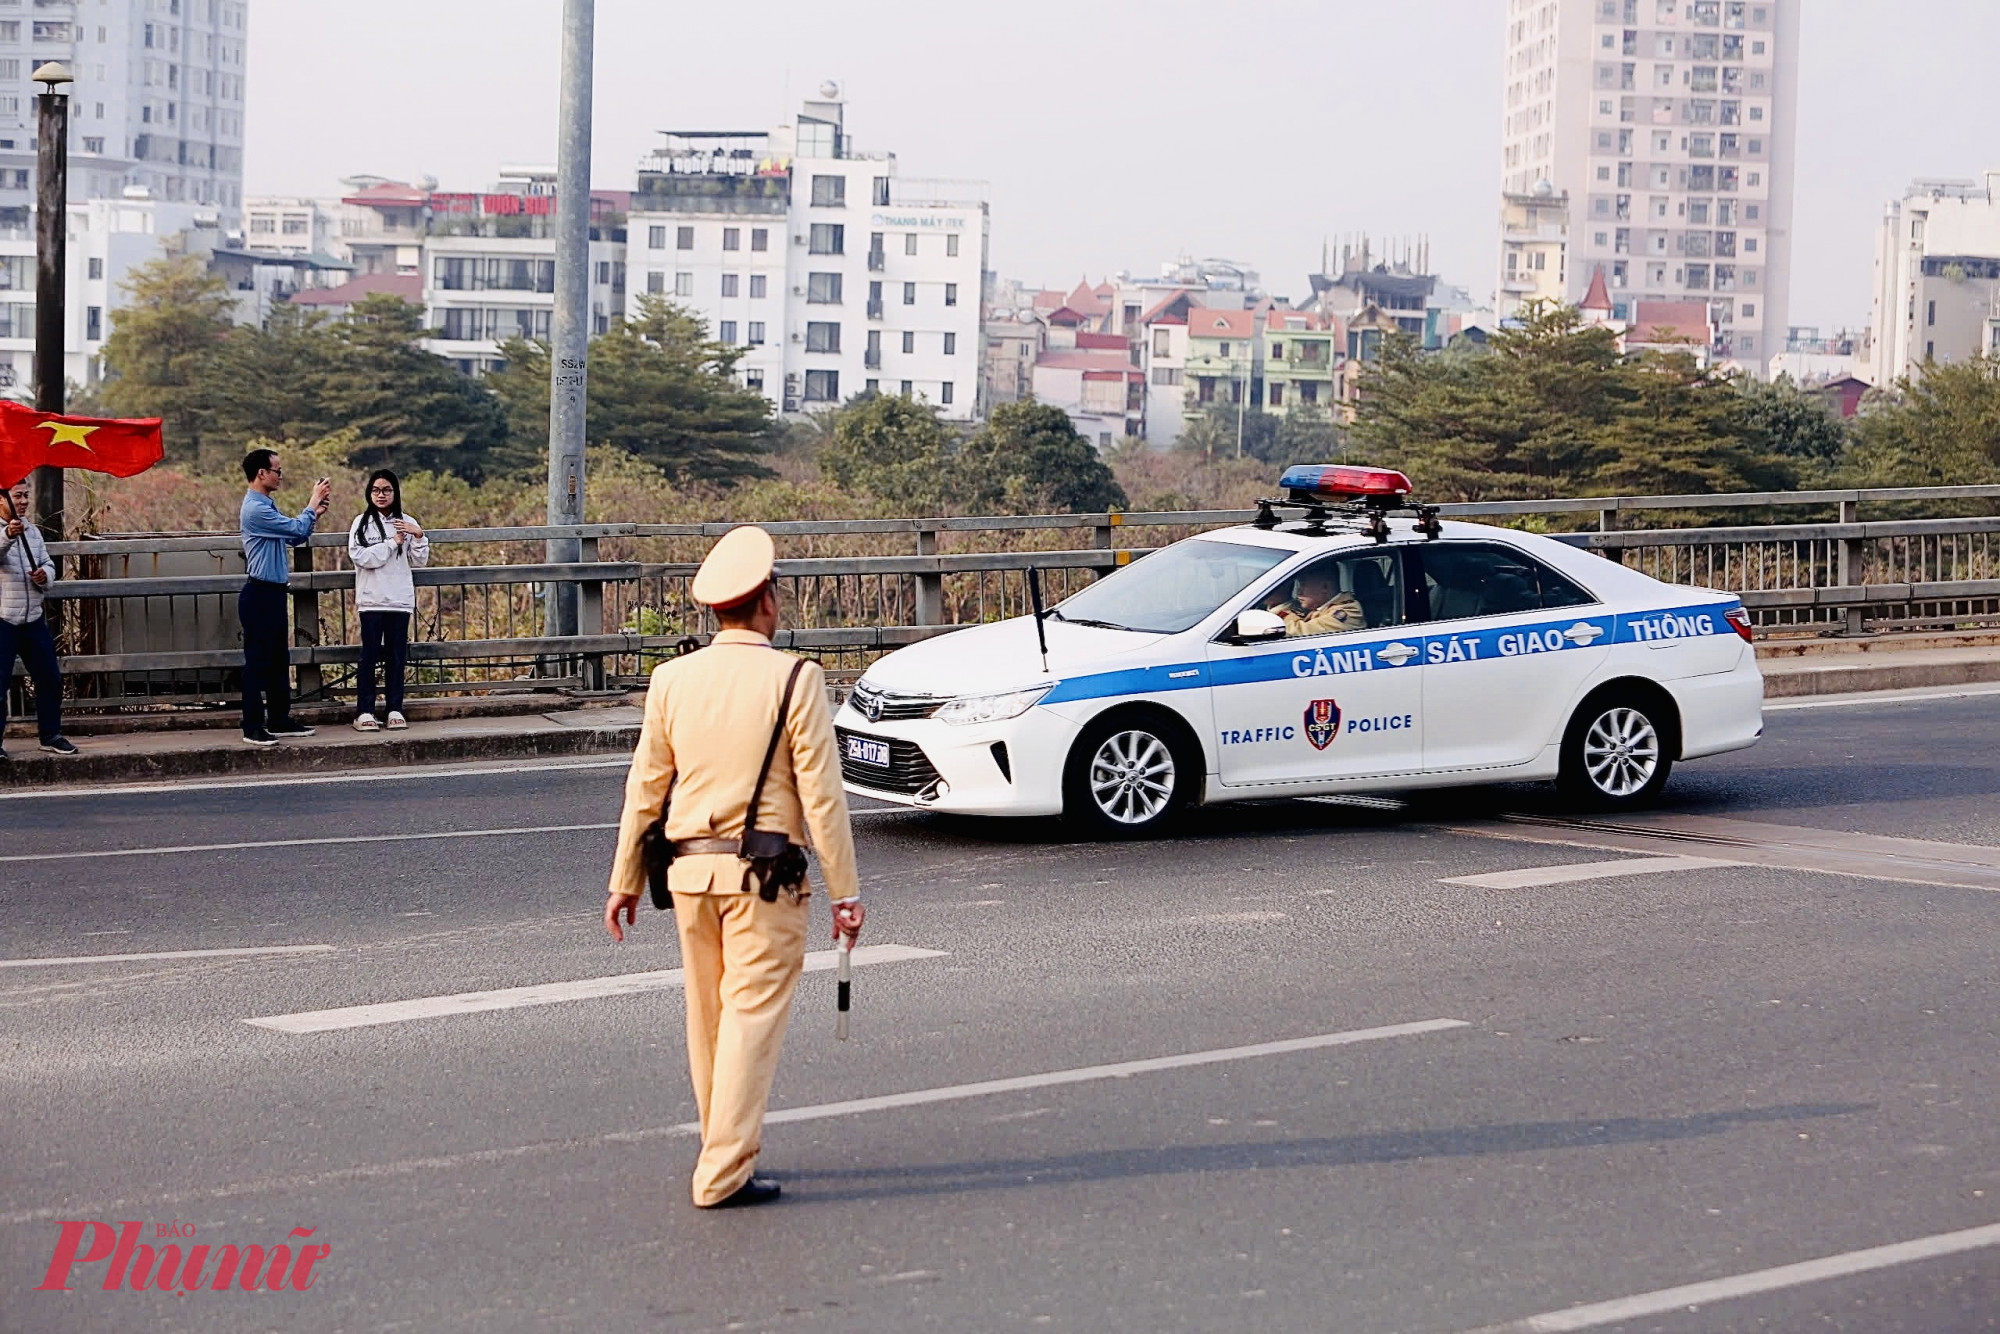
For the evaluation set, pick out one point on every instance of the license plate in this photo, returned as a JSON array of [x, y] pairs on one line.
[[863, 751]]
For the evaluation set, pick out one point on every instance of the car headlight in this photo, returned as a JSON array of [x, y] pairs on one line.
[[991, 708]]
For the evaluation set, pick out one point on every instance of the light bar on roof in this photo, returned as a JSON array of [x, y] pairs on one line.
[[1337, 482]]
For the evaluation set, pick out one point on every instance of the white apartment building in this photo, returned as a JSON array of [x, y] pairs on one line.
[[481, 290], [292, 227], [157, 102], [836, 274], [1937, 277], [1669, 124]]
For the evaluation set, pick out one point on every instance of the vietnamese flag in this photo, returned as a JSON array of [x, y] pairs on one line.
[[29, 439]]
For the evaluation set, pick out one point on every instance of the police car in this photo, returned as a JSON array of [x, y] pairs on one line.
[[1343, 642]]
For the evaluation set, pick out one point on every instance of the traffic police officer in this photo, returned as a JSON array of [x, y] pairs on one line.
[[1320, 607], [708, 721]]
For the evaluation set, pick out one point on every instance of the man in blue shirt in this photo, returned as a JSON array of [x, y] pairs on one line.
[[267, 670]]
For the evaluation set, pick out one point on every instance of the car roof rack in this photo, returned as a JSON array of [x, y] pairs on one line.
[[1369, 515]]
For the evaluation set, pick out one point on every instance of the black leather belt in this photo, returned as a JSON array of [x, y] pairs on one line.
[[716, 847]]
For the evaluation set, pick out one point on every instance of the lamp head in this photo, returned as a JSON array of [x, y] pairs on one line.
[[53, 74]]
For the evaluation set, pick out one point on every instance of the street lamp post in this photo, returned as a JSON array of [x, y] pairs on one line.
[[569, 350], [51, 270]]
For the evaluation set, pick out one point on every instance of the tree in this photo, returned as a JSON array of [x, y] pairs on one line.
[[1682, 430], [409, 408], [263, 384], [894, 449], [1939, 426], [1794, 423], [1029, 458], [176, 314], [658, 388]]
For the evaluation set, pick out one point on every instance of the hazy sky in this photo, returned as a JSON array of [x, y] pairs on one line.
[[1114, 133]]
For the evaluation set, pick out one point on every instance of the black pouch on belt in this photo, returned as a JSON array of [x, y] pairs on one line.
[[772, 861]]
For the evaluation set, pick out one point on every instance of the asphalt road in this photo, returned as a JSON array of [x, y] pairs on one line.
[[1654, 1079]]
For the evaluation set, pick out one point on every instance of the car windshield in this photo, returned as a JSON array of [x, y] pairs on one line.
[[1171, 590]]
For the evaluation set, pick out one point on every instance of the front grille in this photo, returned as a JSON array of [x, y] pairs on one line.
[[882, 706], [910, 771]]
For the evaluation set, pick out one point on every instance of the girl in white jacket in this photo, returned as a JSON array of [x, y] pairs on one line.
[[385, 544]]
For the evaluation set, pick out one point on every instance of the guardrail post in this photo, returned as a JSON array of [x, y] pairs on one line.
[[930, 587], [590, 613], [1102, 536], [305, 624], [1851, 569]]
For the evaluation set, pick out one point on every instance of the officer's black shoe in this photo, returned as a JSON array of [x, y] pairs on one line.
[[757, 1190]]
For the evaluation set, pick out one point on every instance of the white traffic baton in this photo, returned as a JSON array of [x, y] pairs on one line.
[[843, 986]]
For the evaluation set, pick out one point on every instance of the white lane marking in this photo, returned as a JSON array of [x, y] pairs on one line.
[[815, 1112], [1746, 1285], [165, 954], [306, 842], [386, 772], [1915, 695], [549, 993], [1533, 876]]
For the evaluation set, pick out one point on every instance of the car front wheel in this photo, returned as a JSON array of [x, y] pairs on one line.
[[1126, 779], [1616, 754]]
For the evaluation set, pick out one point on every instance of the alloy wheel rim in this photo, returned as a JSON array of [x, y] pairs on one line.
[[1621, 752], [1132, 777]]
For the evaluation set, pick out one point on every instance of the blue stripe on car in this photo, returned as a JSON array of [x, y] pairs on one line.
[[1340, 655]]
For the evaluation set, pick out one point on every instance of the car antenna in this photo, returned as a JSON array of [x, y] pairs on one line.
[[1035, 596]]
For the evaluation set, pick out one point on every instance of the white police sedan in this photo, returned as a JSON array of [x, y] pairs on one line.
[[1350, 643]]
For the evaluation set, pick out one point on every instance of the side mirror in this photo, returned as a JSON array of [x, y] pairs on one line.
[[1254, 625]]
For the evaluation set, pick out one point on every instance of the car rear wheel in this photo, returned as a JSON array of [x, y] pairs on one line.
[[1127, 777], [1616, 754]]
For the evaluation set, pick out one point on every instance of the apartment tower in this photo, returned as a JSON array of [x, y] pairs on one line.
[[1667, 127]]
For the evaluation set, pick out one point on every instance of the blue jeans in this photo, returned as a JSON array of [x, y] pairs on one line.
[[36, 648], [267, 663]]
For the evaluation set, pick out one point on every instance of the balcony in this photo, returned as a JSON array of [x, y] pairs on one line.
[[872, 358], [875, 308], [877, 261]]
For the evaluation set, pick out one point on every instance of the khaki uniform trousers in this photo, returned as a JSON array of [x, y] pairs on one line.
[[742, 958]]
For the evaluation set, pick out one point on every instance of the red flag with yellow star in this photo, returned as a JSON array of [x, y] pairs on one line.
[[29, 439]]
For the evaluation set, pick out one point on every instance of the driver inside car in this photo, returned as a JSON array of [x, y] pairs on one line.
[[1319, 607]]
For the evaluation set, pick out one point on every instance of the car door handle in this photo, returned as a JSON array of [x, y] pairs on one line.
[[1583, 633], [1396, 654]]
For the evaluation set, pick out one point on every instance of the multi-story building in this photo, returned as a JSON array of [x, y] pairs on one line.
[[1223, 366], [1300, 360], [1014, 338], [292, 227], [1669, 124], [1937, 278], [481, 289], [157, 102], [835, 273], [1534, 247]]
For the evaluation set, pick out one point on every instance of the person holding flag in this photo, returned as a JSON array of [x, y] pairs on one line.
[[31, 439]]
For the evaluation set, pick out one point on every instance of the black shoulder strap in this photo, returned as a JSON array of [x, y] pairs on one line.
[[770, 751]]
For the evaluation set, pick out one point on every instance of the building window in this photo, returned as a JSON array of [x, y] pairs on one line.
[[951, 294], [726, 331], [96, 267], [909, 243], [909, 294], [1930, 314], [732, 238], [951, 344], [907, 389], [684, 238], [656, 282], [880, 193], [656, 238], [754, 378], [1277, 394], [909, 341], [944, 393], [760, 238], [756, 338], [683, 284], [822, 336], [829, 192], [729, 281], [822, 386], [828, 238], [603, 273], [951, 246], [823, 289], [93, 323], [1749, 309]]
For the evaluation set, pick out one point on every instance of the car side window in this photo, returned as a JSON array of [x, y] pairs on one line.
[[1340, 594], [1462, 579]]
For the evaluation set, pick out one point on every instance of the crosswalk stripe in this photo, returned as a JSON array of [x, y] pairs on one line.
[[548, 993], [1530, 877]]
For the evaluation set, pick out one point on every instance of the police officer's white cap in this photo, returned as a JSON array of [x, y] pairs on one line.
[[736, 567]]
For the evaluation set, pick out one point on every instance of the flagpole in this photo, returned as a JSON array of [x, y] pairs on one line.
[[51, 271]]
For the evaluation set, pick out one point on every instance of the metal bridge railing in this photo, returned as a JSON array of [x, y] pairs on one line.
[[149, 621]]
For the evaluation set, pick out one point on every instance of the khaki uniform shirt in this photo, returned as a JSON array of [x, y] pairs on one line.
[[708, 719], [1339, 613]]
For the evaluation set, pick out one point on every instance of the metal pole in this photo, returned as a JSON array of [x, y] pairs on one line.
[[51, 270], [569, 352]]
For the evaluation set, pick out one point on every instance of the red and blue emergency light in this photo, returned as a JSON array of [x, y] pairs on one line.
[[1335, 482]]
